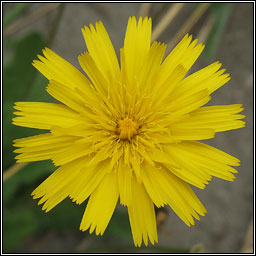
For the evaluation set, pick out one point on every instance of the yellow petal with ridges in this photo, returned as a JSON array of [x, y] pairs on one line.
[[52, 66], [218, 118], [142, 216], [101, 50], [207, 78], [57, 186], [161, 93], [151, 187], [136, 46], [170, 187], [124, 175], [42, 115], [67, 96], [149, 72], [187, 133], [101, 205], [41, 147], [208, 161], [179, 56]]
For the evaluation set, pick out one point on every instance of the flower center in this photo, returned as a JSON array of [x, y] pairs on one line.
[[126, 128]]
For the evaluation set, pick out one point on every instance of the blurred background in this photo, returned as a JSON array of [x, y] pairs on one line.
[[226, 29]]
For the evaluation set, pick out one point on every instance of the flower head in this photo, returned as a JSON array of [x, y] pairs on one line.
[[130, 131]]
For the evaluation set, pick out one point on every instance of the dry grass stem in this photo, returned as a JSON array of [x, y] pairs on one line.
[[248, 240], [144, 9], [12, 170], [166, 20], [206, 29], [191, 21], [23, 22]]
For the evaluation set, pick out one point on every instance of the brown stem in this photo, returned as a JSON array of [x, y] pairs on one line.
[[12, 170]]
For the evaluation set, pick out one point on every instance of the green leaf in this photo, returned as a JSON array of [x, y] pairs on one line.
[[16, 226], [65, 216], [23, 217], [221, 12], [119, 225], [17, 192], [30, 174]]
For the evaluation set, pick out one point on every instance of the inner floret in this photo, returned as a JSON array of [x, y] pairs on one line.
[[127, 128]]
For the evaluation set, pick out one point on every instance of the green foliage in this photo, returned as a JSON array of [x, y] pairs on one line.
[[16, 226], [14, 13], [221, 13], [65, 216], [21, 82], [25, 177], [25, 218], [119, 226]]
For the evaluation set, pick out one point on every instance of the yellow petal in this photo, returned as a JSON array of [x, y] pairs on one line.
[[94, 73], [107, 88], [179, 107], [218, 118], [45, 115], [124, 183], [207, 78], [42, 141], [177, 194], [80, 130], [150, 71], [57, 186], [185, 171], [135, 161], [203, 160], [186, 192], [101, 205], [162, 92], [102, 154], [187, 133], [151, 186], [54, 67], [186, 104], [136, 46], [142, 215], [101, 50], [185, 54], [67, 96], [41, 147], [87, 181], [74, 151]]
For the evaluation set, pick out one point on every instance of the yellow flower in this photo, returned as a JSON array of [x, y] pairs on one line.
[[130, 131]]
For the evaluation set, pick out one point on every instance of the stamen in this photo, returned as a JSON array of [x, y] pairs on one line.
[[127, 128]]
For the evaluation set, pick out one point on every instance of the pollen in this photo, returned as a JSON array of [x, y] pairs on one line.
[[127, 128]]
